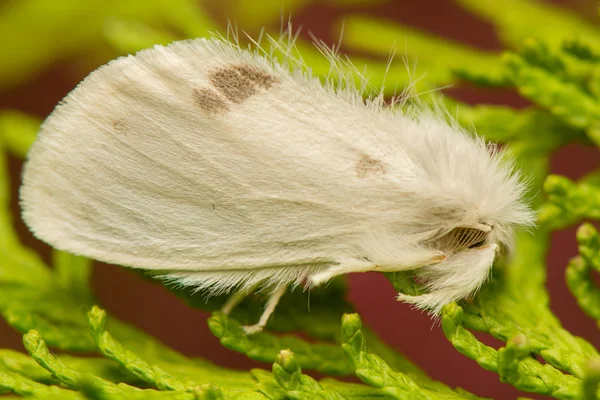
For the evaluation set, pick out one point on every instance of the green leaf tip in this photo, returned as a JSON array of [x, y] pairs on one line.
[[591, 379], [578, 272], [287, 371], [452, 317], [287, 361], [587, 235], [589, 245], [229, 331], [464, 341], [353, 342], [208, 392], [114, 350], [288, 375], [569, 202], [97, 319], [509, 357], [582, 50], [537, 52], [39, 351], [33, 342], [351, 323], [556, 185]]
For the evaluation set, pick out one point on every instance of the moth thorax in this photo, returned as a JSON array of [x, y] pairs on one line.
[[462, 238]]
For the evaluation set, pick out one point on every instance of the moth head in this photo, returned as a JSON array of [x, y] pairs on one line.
[[464, 238], [468, 254]]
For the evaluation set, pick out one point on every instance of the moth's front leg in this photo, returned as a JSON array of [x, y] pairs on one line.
[[342, 267], [356, 265]]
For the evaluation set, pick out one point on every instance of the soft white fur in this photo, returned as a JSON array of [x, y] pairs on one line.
[[267, 193]]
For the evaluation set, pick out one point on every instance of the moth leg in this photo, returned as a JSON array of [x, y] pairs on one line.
[[235, 299], [366, 266], [269, 308], [232, 301], [341, 269]]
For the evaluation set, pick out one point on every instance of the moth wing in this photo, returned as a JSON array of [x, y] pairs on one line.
[[202, 157]]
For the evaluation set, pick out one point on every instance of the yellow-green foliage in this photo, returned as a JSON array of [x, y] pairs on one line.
[[558, 70]]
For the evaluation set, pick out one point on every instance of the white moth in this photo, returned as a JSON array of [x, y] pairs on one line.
[[227, 170]]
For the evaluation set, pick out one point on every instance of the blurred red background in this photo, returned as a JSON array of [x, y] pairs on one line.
[[152, 308]]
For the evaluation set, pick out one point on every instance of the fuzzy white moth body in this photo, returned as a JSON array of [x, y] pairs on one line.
[[226, 170]]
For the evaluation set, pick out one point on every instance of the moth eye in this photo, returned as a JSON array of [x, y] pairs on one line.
[[478, 244], [461, 238]]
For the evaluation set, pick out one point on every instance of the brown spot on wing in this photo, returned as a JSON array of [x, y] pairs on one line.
[[369, 166], [119, 126], [210, 101], [239, 82], [260, 78]]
